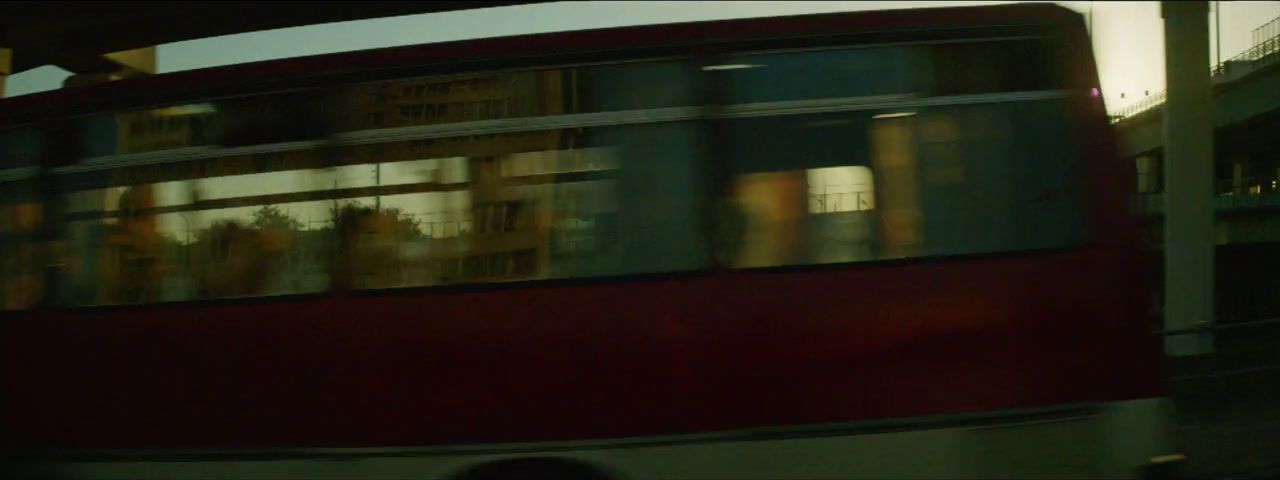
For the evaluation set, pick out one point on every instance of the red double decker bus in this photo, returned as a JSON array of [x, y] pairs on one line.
[[880, 244]]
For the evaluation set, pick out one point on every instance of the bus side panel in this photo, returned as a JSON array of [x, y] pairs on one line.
[[572, 362]]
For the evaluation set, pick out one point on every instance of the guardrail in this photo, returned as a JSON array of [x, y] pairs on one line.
[[1148, 103], [1260, 55]]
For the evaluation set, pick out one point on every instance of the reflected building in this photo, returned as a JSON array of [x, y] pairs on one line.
[[503, 229], [471, 206], [162, 128], [452, 99]]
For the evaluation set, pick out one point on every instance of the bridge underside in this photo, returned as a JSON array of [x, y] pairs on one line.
[[78, 36]]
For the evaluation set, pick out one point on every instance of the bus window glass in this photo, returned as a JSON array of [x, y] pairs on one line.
[[1020, 65], [20, 147], [621, 200], [824, 74], [846, 187], [883, 73], [407, 102], [478, 209], [634, 86]]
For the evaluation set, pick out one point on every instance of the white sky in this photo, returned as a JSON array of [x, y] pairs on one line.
[[1128, 36]]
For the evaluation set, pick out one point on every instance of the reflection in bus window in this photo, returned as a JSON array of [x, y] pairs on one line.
[[935, 182], [403, 102], [773, 203], [521, 207], [897, 165], [21, 262], [20, 147], [234, 260], [134, 254], [841, 216], [819, 74], [924, 70]]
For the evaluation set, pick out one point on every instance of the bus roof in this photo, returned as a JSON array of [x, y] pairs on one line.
[[263, 76]]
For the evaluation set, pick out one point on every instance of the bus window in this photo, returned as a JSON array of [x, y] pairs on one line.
[[406, 102], [955, 175], [894, 156], [20, 148], [621, 200], [1021, 65], [939, 181], [21, 254], [467, 209], [823, 74], [881, 73], [523, 94], [634, 86]]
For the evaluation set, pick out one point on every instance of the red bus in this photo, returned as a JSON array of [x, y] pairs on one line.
[[879, 244]]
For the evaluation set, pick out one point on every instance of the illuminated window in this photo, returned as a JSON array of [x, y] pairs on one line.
[[840, 189]]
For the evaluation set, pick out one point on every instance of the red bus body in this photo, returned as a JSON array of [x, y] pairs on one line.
[[572, 360]]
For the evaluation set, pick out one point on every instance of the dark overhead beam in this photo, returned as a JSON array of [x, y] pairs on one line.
[[74, 34]]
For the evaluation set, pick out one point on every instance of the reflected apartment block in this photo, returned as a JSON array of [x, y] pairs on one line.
[[506, 230], [161, 129], [469, 206]]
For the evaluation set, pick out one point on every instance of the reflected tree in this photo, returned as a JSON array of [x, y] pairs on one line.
[[367, 244], [404, 224], [233, 259], [269, 217]]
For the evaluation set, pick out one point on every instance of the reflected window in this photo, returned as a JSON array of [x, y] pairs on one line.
[[840, 189], [848, 187]]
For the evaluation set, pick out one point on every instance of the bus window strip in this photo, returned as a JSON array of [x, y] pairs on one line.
[[583, 120], [587, 59], [199, 152], [568, 178]]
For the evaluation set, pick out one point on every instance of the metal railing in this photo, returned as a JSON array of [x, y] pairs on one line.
[[1266, 30], [1262, 54], [1147, 103]]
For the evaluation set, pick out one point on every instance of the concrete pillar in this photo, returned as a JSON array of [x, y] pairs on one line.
[[6, 67], [1188, 139]]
